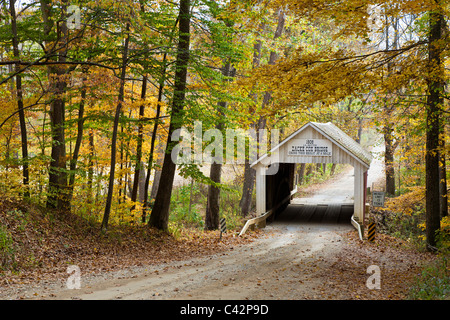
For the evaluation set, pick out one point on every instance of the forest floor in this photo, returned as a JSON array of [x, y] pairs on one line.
[[286, 260], [37, 247]]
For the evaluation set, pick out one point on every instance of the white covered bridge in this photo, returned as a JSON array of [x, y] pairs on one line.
[[312, 143]]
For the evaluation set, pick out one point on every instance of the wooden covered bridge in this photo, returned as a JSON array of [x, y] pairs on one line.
[[312, 143]]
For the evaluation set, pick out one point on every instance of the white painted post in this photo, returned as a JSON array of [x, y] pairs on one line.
[[260, 189], [359, 193]]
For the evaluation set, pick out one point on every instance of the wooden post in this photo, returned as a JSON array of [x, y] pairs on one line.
[[359, 193], [223, 227], [365, 195], [371, 232], [260, 190]]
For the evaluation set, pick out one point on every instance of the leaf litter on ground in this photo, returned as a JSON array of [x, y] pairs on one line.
[[47, 244]]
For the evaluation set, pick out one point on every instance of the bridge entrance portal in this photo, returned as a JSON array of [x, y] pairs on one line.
[[312, 143]]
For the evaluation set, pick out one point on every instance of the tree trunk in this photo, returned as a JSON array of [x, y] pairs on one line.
[[138, 167], [159, 217], [141, 195], [318, 168], [57, 183], [150, 159], [389, 161], [155, 185], [249, 173], [19, 94], [91, 165], [443, 182], [76, 151], [433, 109], [107, 212], [443, 174], [301, 173], [212, 215], [58, 171], [333, 169], [388, 130]]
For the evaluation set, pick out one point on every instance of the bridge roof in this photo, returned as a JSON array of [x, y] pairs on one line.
[[335, 135]]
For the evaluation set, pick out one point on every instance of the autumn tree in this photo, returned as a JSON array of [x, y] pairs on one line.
[[19, 94], [435, 89], [259, 124], [57, 197], [160, 213], [118, 111]]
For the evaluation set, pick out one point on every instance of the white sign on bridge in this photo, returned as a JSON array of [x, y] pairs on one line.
[[310, 147]]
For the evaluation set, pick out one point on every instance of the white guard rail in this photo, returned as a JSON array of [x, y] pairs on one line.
[[267, 214]]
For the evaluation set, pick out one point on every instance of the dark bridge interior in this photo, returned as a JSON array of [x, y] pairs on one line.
[[306, 213], [278, 187]]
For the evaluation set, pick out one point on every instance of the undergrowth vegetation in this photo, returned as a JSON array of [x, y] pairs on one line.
[[404, 217], [188, 205]]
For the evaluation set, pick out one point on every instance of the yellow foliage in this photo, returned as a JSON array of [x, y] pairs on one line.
[[407, 203]]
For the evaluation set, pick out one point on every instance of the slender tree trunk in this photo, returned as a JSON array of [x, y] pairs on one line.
[[318, 168], [389, 160], [443, 185], [212, 215], [19, 94], [159, 217], [301, 173], [309, 171], [333, 169], [249, 173], [443, 174], [109, 196], [57, 184], [155, 185], [390, 144], [120, 179], [162, 81], [152, 145], [76, 151], [91, 165], [138, 165], [433, 111]]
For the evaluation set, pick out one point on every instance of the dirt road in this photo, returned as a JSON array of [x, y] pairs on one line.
[[279, 265]]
